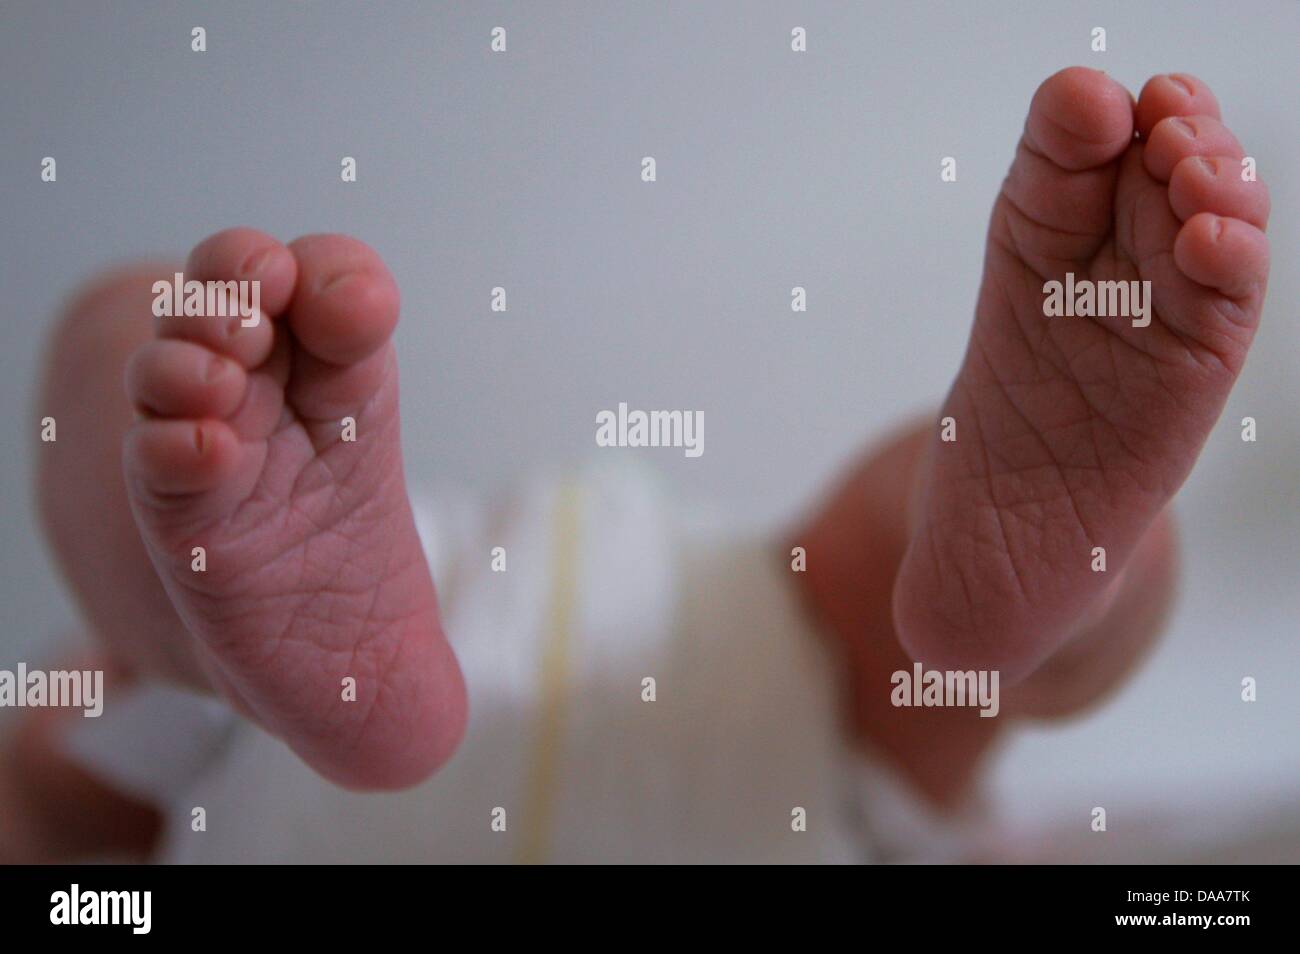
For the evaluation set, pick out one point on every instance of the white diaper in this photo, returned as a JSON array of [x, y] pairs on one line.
[[606, 586]]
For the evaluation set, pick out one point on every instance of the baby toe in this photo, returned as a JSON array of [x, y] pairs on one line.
[[1214, 184], [1177, 137], [243, 254], [166, 458], [1226, 254], [1173, 94], [183, 379]]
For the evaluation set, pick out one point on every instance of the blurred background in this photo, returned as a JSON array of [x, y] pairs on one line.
[[775, 169]]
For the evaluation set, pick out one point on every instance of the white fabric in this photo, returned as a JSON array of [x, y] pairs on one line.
[[742, 733], [153, 741]]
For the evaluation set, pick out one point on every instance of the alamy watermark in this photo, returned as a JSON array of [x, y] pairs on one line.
[[939, 687], [60, 688], [1089, 299], [625, 428], [130, 908], [212, 299]]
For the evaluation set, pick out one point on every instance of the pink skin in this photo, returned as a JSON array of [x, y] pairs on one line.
[[314, 570], [1075, 433], [967, 555]]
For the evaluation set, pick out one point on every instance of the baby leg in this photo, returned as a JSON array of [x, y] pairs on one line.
[[82, 497]]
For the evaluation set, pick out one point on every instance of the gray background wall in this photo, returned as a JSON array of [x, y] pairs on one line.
[[775, 169]]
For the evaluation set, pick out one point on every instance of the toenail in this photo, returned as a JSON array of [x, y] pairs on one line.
[[1183, 126], [1209, 165], [1216, 229], [257, 261], [198, 439], [335, 280], [1184, 83]]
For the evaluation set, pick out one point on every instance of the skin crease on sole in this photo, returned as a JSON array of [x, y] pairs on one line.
[[1075, 433], [314, 574], [237, 450]]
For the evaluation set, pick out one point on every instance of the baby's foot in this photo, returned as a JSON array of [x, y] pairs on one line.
[[1073, 433], [314, 573]]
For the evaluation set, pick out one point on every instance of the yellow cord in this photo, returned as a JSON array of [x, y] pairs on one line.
[[543, 780]]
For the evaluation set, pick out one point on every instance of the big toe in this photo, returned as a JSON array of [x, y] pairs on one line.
[[346, 303], [1080, 118], [1056, 202]]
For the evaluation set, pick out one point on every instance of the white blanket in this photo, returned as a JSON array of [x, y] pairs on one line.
[[606, 586]]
